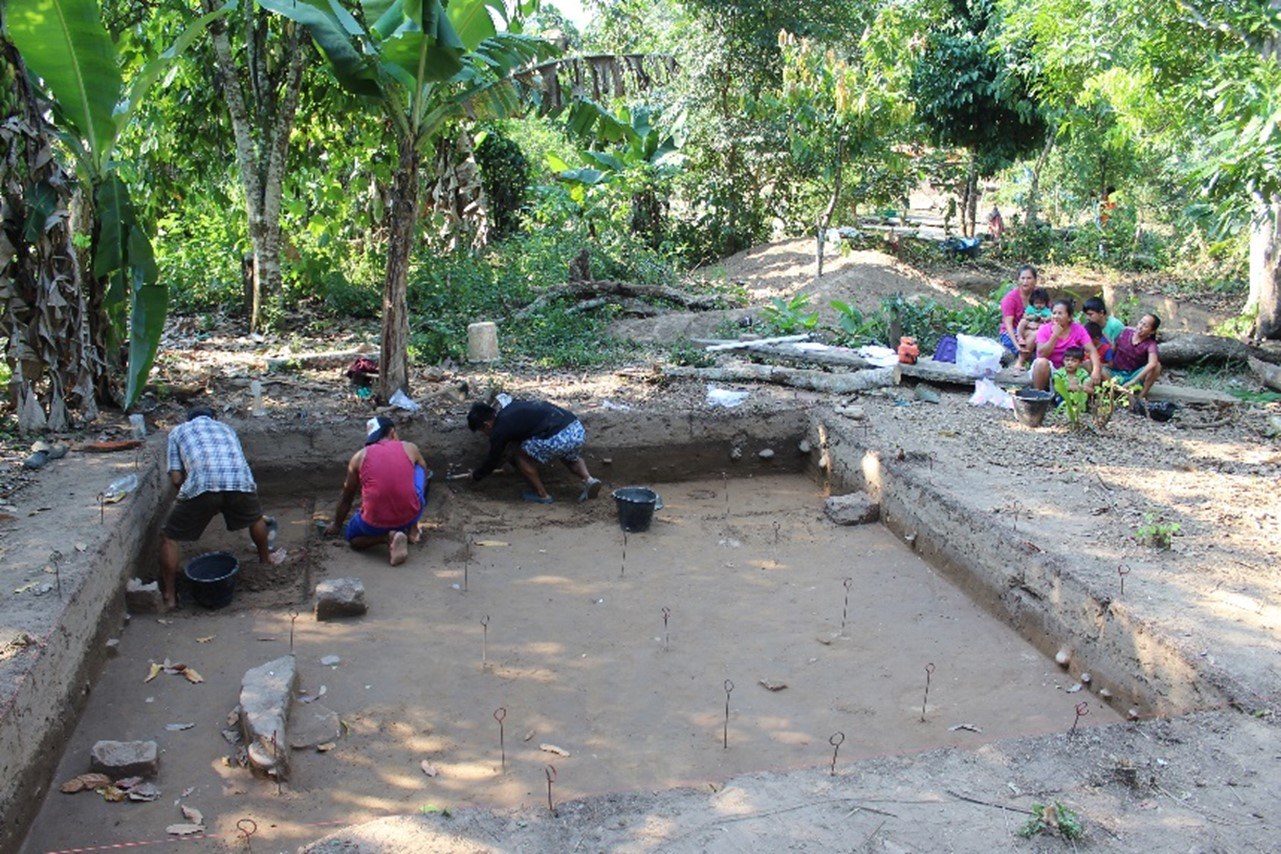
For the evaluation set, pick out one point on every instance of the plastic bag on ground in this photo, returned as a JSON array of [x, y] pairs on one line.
[[989, 393], [724, 397], [401, 401], [978, 357]]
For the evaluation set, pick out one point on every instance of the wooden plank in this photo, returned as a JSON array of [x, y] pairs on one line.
[[830, 383]]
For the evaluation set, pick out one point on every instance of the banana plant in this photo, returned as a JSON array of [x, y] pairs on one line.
[[626, 148], [424, 65], [65, 45]]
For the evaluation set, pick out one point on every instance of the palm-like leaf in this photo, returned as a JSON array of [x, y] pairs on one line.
[[64, 43]]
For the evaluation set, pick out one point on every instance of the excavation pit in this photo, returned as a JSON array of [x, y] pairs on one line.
[[613, 648]]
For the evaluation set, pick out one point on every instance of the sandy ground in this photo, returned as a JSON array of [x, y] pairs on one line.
[[576, 653], [1207, 780]]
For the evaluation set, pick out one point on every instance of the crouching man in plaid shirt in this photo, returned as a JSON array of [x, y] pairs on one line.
[[207, 465]]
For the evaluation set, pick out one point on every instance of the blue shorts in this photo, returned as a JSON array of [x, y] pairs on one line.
[[566, 444], [358, 527], [1123, 377], [1008, 343]]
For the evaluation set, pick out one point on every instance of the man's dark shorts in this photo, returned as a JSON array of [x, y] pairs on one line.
[[189, 517]]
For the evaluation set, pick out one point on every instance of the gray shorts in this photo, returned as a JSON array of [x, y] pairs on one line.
[[189, 517]]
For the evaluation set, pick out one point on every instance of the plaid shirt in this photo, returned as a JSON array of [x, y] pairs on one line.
[[210, 454]]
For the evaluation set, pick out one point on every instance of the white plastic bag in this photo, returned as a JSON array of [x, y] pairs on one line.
[[725, 397], [989, 393], [978, 357], [400, 400]]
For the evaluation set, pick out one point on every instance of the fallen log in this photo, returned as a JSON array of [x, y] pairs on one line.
[[1268, 374], [843, 383], [947, 373], [1182, 350], [757, 342], [315, 361], [606, 287], [836, 357]]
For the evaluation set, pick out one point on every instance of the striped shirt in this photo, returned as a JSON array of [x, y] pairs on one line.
[[209, 452]]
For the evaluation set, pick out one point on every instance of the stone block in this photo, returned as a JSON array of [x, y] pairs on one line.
[[266, 695], [482, 342], [313, 724], [853, 509], [142, 598], [119, 759], [340, 597]]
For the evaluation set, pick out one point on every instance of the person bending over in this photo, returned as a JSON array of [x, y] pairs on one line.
[[391, 477], [541, 431], [208, 466]]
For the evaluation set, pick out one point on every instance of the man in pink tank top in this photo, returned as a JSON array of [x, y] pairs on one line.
[[391, 477]]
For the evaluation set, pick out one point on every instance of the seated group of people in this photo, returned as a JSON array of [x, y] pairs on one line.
[[207, 464], [1075, 355]]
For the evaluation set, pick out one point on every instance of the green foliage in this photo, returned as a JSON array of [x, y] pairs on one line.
[[855, 328], [1053, 819], [504, 174], [1157, 533], [927, 320], [689, 354], [786, 317]]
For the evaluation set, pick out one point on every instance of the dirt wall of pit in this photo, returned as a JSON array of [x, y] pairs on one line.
[[1010, 574], [55, 645]]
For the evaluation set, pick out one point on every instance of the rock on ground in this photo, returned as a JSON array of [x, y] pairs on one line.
[[340, 597], [125, 758], [855, 508], [266, 694]]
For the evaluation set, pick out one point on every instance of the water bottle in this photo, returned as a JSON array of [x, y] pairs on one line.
[[119, 488], [139, 425], [255, 388]]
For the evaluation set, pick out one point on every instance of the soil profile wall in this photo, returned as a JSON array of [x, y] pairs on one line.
[[1026, 586]]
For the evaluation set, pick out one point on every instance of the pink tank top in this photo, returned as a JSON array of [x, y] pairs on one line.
[[387, 495]]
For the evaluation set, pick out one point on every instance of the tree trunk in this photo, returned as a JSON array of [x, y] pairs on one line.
[[1265, 266], [1032, 211], [262, 138], [393, 371], [825, 218], [970, 198]]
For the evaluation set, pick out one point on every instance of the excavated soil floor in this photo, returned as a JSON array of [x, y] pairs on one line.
[[561, 624]]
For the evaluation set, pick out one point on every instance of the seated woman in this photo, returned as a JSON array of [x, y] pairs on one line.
[[1134, 358], [1052, 341], [1013, 306]]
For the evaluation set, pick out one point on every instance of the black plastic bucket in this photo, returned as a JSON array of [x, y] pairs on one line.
[[635, 507], [1030, 406], [213, 578]]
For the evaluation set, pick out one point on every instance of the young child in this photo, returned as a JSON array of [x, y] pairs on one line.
[[1101, 343], [1037, 312], [1069, 383]]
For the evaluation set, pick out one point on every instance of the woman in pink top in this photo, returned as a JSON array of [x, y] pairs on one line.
[[1056, 336], [1013, 305]]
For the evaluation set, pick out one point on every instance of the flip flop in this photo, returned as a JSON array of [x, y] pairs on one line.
[[591, 489], [43, 453], [535, 498]]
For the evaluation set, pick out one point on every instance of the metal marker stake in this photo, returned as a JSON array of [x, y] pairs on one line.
[[550, 771], [499, 714], [725, 476], [247, 827], [622, 569], [484, 640], [667, 612], [1017, 508], [1123, 571], [848, 582], [467, 561], [729, 689], [55, 558], [836, 740], [776, 545], [102, 509], [293, 618], [1082, 709], [275, 755], [929, 668]]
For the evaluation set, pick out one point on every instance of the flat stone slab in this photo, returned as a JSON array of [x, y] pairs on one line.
[[125, 758], [853, 509], [312, 725], [340, 597], [266, 695]]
